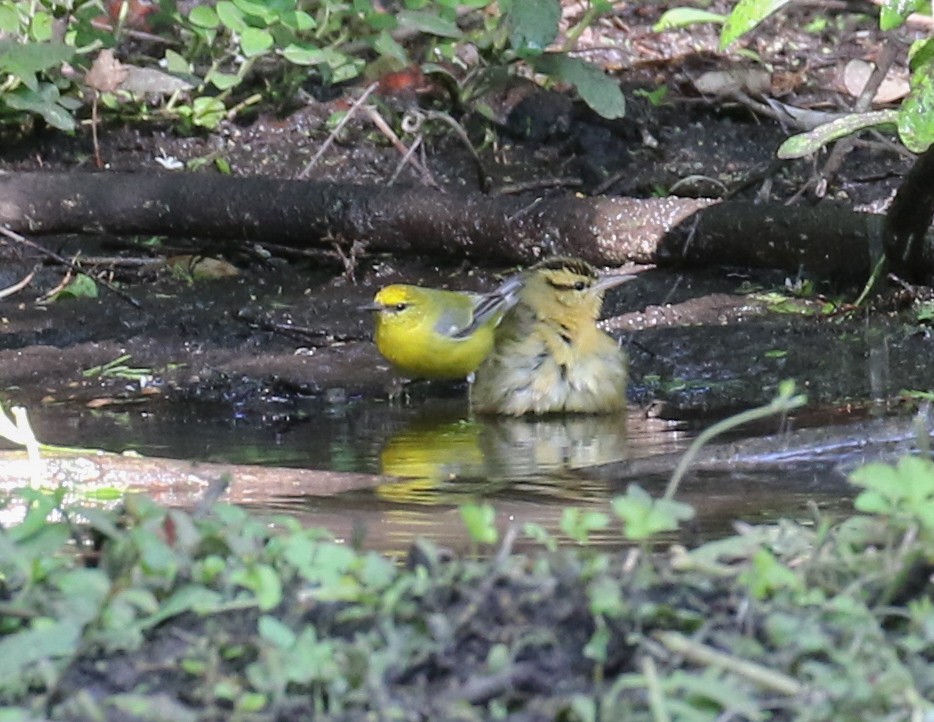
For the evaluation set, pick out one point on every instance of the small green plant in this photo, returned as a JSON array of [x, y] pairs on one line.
[[578, 524], [903, 493], [655, 97], [118, 369], [643, 517], [480, 521], [81, 286]]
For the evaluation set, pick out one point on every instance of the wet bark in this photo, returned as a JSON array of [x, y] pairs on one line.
[[178, 482], [827, 240]]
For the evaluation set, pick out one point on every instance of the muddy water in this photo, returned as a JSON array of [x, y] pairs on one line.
[[428, 457]]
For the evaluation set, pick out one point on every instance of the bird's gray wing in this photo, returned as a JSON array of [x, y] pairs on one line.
[[498, 301], [452, 321]]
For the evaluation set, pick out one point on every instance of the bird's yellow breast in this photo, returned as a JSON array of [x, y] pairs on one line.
[[415, 330]]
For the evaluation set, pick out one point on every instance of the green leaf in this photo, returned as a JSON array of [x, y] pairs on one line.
[[43, 639], [44, 102], [427, 22], [263, 581], [767, 575], [745, 16], [30, 549], [540, 535], [388, 46], [643, 517], [606, 597], [711, 691], [577, 524], [85, 592], [905, 490], [598, 90], [596, 648], [265, 11], [223, 81], [684, 17], [9, 18], [804, 144], [894, 12], [480, 520], [276, 632], [254, 41], [533, 25], [916, 114], [346, 69], [208, 112], [304, 54], [204, 16], [25, 60], [40, 27], [231, 16], [188, 598], [299, 21], [81, 286], [176, 63]]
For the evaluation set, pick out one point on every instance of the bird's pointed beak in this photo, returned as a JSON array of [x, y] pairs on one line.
[[607, 282], [372, 306]]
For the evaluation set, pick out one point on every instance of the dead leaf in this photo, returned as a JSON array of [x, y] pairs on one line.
[[894, 86], [200, 268], [100, 402], [786, 81], [752, 81], [107, 73]]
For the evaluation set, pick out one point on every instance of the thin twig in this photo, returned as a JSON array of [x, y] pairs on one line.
[[537, 184], [358, 103], [406, 159], [314, 337], [12, 235], [95, 121], [384, 128], [19, 286], [656, 696], [609, 182], [482, 176], [121, 262], [66, 279], [757, 673]]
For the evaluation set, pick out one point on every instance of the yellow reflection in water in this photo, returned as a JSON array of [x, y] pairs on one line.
[[495, 450]]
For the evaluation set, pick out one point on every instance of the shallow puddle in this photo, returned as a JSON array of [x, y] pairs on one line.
[[428, 457]]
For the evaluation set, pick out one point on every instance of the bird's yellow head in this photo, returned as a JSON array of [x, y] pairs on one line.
[[399, 305], [569, 289]]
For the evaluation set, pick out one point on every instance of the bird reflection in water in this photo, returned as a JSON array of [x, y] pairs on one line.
[[442, 463]]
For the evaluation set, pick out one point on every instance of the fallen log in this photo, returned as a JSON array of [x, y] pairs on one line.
[[828, 240]]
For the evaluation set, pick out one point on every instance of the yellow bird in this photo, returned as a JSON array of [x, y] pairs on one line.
[[435, 334], [549, 355]]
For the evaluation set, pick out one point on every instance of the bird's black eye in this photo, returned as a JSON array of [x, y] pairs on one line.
[[580, 286], [401, 306]]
